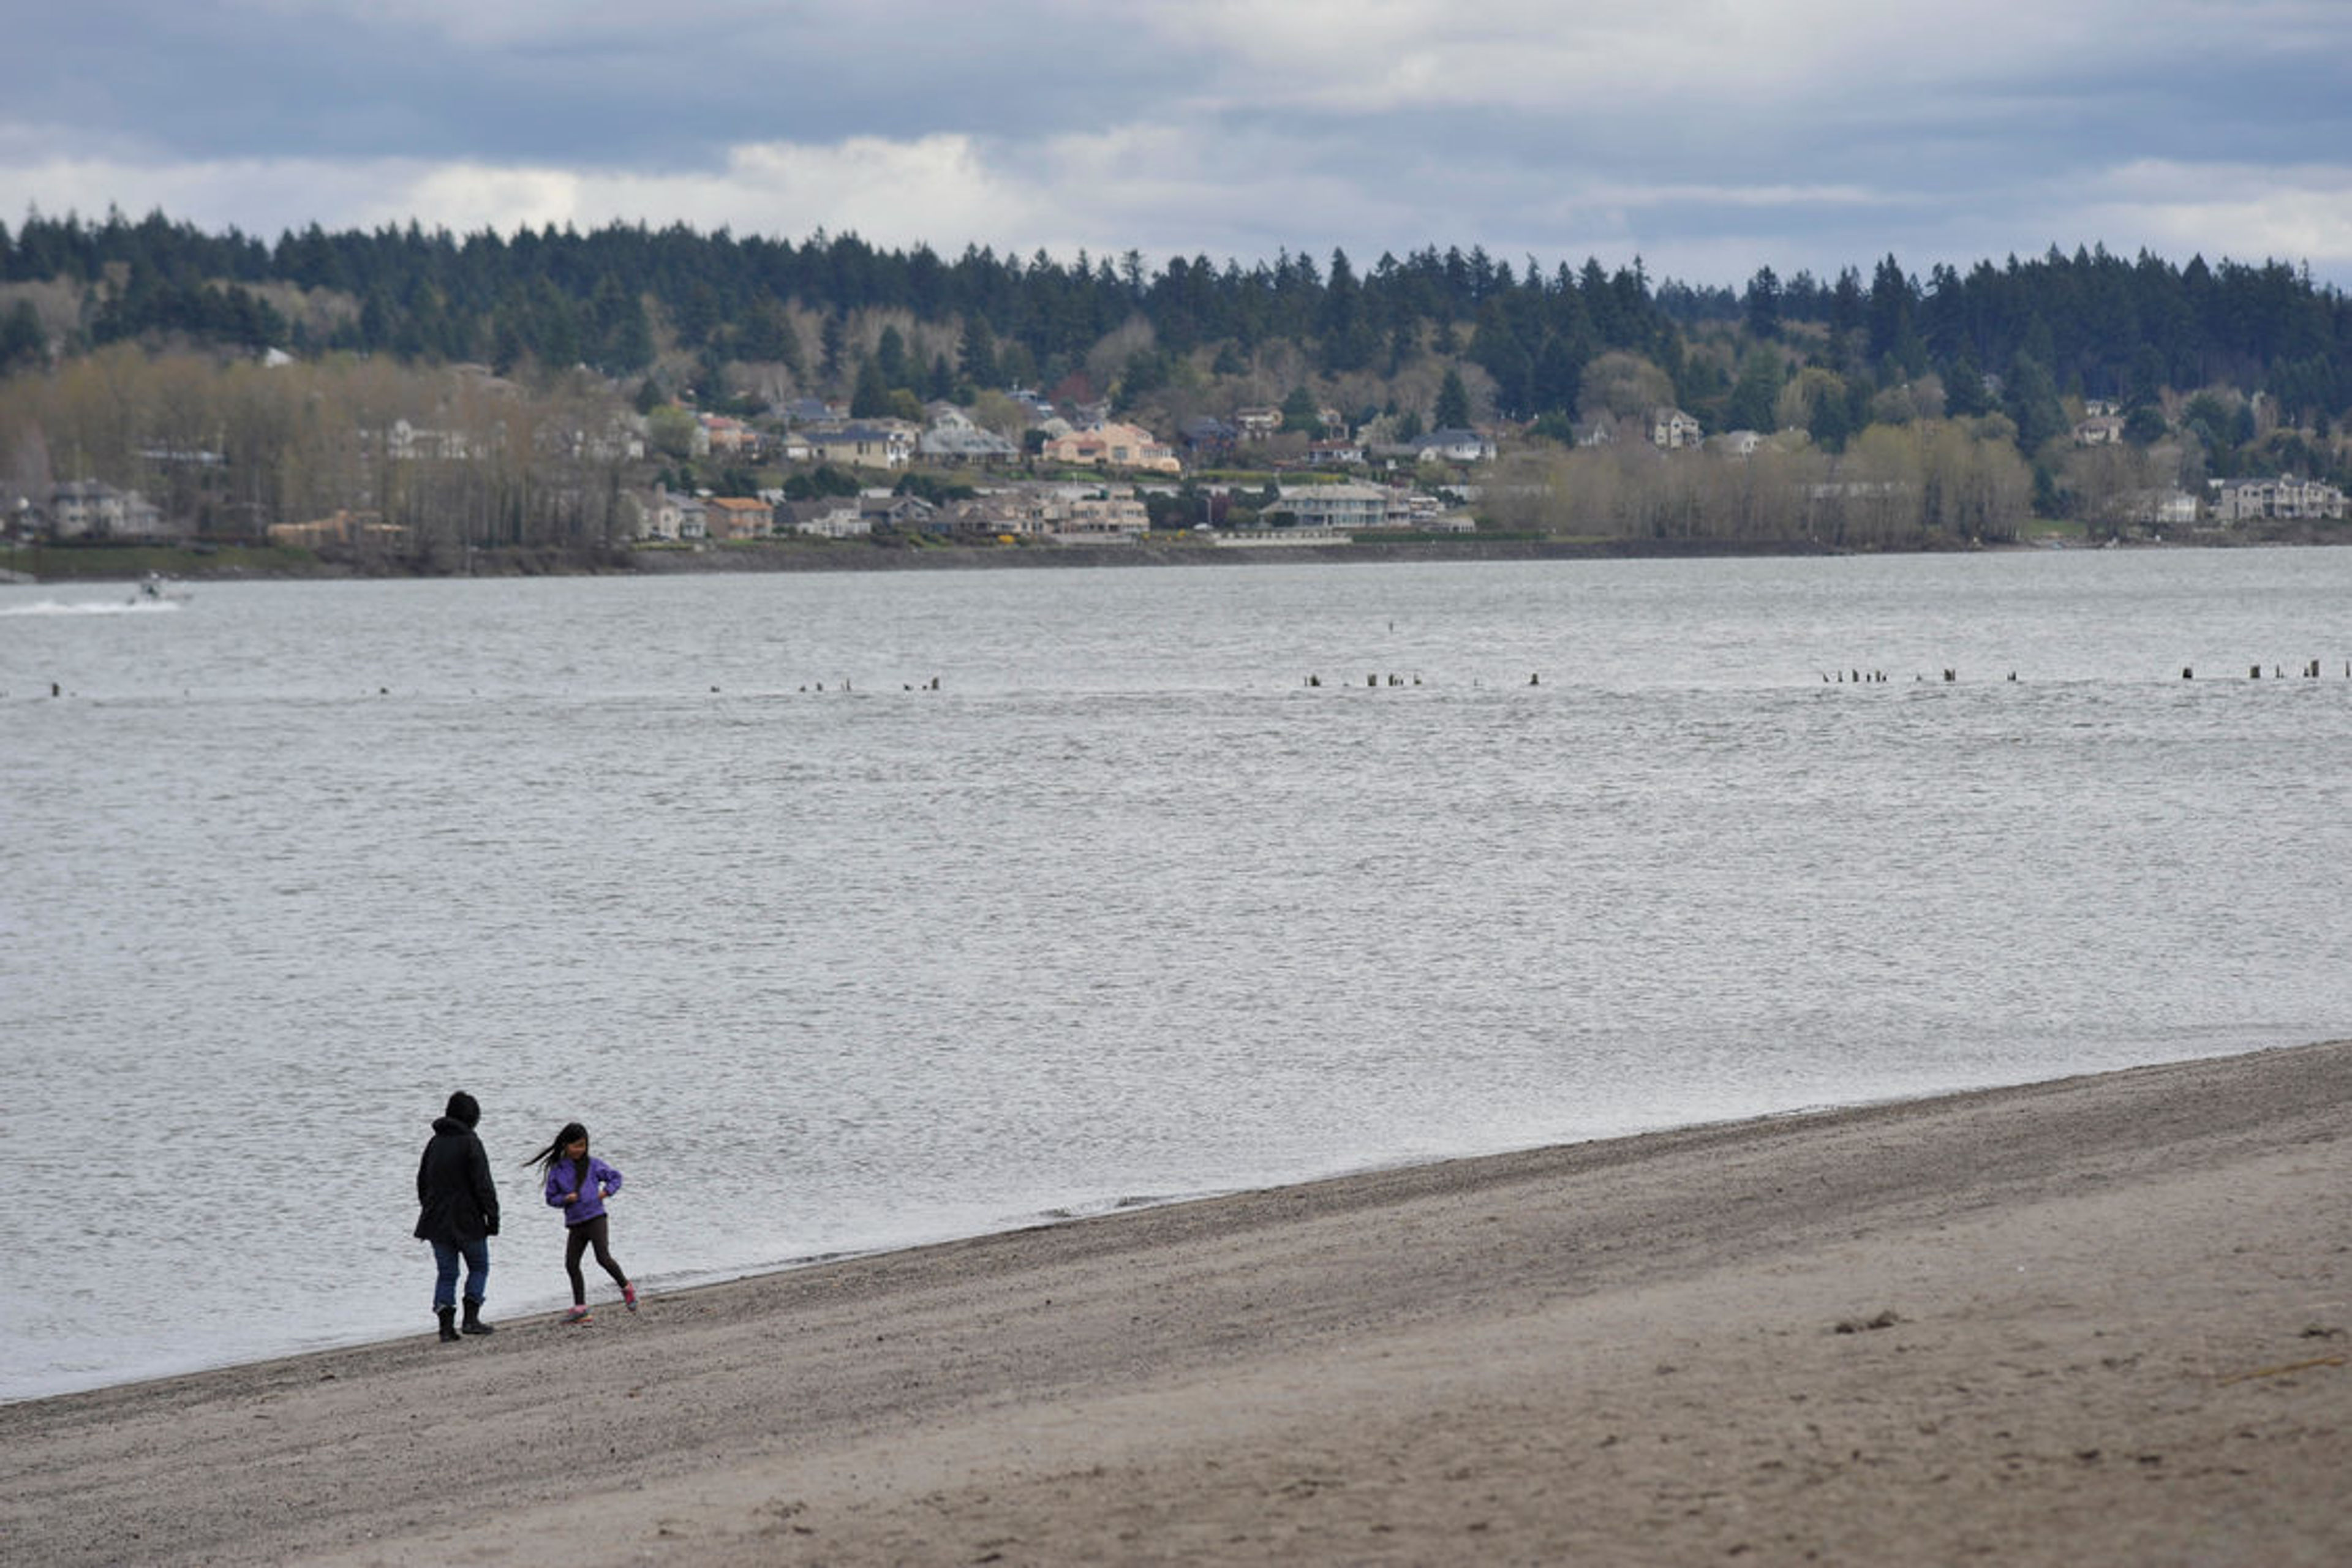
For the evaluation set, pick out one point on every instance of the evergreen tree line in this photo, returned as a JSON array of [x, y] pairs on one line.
[[2096, 325]]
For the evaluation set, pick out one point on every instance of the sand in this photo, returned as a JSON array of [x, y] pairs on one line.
[[2102, 1319]]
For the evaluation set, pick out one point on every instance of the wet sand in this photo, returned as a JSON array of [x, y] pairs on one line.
[[2097, 1320]]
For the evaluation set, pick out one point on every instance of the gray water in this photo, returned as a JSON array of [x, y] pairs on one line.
[[1125, 911]]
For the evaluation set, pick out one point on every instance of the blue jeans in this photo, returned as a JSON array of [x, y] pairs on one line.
[[445, 1253]]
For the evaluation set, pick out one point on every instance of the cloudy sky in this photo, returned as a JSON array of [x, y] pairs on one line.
[[1709, 137]]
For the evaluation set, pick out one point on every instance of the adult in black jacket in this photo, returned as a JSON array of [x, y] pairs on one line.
[[457, 1212]]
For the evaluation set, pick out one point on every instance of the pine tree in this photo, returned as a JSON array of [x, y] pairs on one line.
[[1453, 410]]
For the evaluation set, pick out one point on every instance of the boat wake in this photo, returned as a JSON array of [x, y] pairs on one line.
[[94, 607]]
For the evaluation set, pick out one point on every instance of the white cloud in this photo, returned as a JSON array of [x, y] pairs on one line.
[[891, 192], [2248, 213]]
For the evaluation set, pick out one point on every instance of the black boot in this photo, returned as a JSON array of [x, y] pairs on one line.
[[448, 1316], [474, 1324]]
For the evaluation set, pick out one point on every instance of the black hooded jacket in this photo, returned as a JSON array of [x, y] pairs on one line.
[[455, 1199]]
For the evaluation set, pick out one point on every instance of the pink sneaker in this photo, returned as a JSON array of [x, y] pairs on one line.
[[576, 1315], [629, 1296]]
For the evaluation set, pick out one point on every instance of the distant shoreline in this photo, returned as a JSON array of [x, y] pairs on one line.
[[238, 564]]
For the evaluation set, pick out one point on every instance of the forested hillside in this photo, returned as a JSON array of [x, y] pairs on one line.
[[2215, 369]]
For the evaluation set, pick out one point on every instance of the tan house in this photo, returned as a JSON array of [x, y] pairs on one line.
[[1089, 517], [1114, 446], [736, 517], [724, 436], [340, 527]]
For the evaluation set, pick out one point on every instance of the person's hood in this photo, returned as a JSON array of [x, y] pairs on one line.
[[448, 1126]]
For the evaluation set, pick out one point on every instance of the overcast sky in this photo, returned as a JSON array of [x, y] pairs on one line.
[[1709, 137]]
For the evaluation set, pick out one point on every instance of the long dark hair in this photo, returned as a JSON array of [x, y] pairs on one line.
[[545, 1159]]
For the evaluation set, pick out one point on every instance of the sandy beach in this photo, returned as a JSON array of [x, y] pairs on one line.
[[2102, 1320]]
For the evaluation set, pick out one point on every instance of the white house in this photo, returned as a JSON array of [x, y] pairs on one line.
[[964, 442], [835, 517], [1335, 506], [1672, 429], [1454, 445], [2245, 500], [2174, 508], [87, 509]]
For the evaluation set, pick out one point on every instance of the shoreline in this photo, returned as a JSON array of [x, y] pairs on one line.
[[2096, 1318], [186, 564]]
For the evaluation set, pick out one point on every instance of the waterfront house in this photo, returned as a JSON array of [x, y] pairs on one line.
[[2172, 507], [737, 517], [340, 527], [1336, 507], [2280, 498], [888, 510], [85, 509], [1090, 515], [831, 516]]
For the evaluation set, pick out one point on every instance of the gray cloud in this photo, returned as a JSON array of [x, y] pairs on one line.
[[1710, 139]]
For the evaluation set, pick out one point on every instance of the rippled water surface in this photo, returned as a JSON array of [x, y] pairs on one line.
[[1124, 909]]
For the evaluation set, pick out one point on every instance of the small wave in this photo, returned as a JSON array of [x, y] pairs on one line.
[[93, 607]]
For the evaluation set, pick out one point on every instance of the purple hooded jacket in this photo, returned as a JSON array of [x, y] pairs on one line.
[[601, 1182]]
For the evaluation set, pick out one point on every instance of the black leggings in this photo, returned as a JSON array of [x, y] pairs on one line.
[[578, 1239]]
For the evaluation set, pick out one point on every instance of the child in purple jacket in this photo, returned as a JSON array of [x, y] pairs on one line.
[[578, 1184]]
